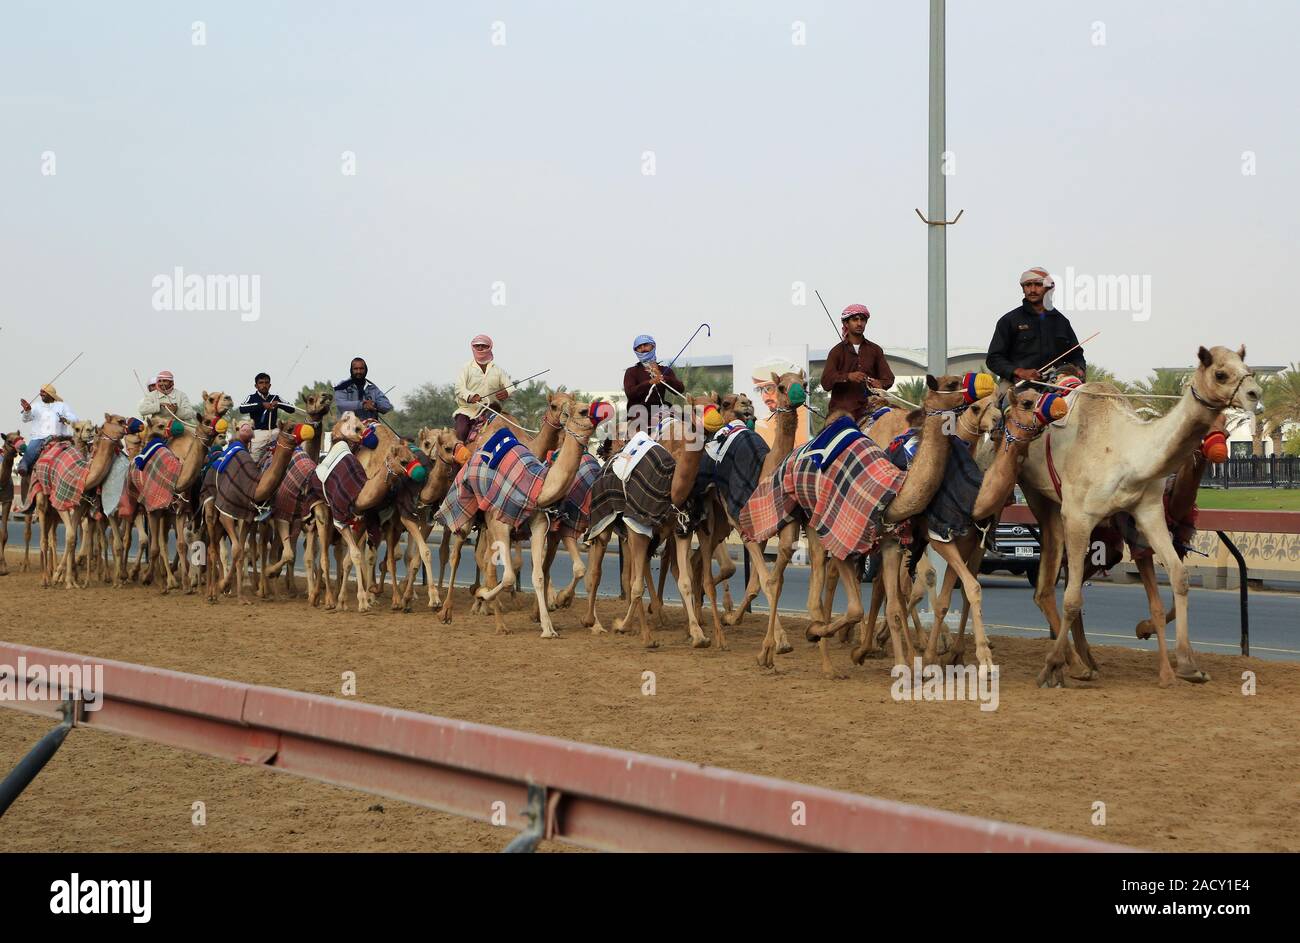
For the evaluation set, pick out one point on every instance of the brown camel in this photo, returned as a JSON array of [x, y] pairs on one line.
[[8, 453], [906, 494], [295, 508], [1107, 459], [64, 474], [440, 448], [556, 480], [164, 475]]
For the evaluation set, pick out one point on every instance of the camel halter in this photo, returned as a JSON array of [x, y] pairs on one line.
[[1207, 404]]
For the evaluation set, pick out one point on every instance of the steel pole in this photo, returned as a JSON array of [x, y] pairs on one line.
[[937, 267]]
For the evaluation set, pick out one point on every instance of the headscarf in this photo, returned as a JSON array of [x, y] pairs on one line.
[[1049, 284], [481, 357], [649, 355], [164, 375], [849, 312]]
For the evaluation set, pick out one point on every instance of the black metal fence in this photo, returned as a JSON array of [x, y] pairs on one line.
[[1272, 471]]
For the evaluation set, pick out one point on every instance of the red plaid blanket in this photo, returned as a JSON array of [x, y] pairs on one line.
[[510, 491], [156, 485], [235, 486], [573, 516], [61, 474], [343, 487], [843, 503], [292, 497]]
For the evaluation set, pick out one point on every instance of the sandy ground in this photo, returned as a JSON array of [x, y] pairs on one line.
[[1187, 768]]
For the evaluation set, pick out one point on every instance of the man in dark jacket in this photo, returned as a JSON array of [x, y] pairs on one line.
[[645, 385], [359, 395], [1032, 335], [854, 365]]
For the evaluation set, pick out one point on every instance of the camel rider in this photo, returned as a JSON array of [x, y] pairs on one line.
[[261, 408], [855, 366], [50, 418], [646, 384], [1032, 335], [167, 400], [358, 395], [480, 385]]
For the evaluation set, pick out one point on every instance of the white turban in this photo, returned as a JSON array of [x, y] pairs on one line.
[[1049, 284]]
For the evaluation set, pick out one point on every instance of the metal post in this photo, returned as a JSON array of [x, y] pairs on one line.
[[937, 267], [1244, 575], [31, 764]]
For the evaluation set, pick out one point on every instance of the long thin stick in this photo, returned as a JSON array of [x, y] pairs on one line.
[[702, 327], [60, 373], [1056, 358], [517, 382], [295, 363], [839, 334]]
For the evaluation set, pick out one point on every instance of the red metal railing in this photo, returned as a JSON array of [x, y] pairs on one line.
[[588, 795]]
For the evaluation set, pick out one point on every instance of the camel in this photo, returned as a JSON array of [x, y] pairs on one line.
[[296, 502], [963, 553], [973, 426], [439, 446], [559, 405], [513, 489], [857, 494], [160, 473], [350, 492], [648, 509], [241, 488], [64, 474], [125, 513], [8, 453], [1107, 459]]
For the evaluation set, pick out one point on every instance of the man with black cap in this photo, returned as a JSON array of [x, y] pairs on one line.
[[1032, 335], [855, 364]]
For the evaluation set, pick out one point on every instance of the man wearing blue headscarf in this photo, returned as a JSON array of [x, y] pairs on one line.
[[645, 382]]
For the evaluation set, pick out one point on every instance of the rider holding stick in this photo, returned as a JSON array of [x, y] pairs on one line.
[[644, 383], [480, 379], [854, 365]]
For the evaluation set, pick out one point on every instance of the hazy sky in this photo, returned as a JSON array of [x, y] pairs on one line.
[[522, 164]]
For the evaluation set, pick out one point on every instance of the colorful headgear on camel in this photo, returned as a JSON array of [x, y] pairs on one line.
[[1051, 406], [1215, 447], [176, 428], [976, 386], [749, 424], [304, 431], [134, 425], [712, 419], [599, 411], [648, 355], [370, 438], [462, 453], [1068, 381], [21, 446], [416, 471], [481, 356], [221, 425], [797, 394]]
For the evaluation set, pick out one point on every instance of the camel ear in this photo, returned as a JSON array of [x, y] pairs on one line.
[[205, 394], [1204, 356], [108, 417], [933, 384], [1241, 352], [776, 378]]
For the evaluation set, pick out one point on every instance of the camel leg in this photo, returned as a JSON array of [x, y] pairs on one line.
[[633, 546], [1049, 565], [4, 536], [1077, 534], [416, 539], [457, 542], [751, 591], [552, 546], [1150, 519], [356, 559], [971, 590], [709, 585], [595, 556], [1146, 568], [853, 615], [890, 564], [687, 591], [542, 557], [443, 556], [726, 566], [564, 598]]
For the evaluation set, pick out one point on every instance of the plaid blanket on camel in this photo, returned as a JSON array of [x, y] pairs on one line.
[[295, 497], [842, 502], [735, 477], [237, 477], [643, 501], [61, 473], [572, 516], [948, 514], [155, 484], [509, 490]]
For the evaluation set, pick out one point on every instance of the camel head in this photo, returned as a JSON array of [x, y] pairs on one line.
[[216, 405], [736, 406], [348, 428], [400, 462], [114, 426], [438, 444], [791, 390], [583, 418], [83, 433], [1223, 380], [318, 404], [1022, 422], [943, 394], [983, 414], [10, 446], [158, 426], [558, 406]]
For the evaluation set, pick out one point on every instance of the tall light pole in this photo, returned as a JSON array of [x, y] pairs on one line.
[[937, 262]]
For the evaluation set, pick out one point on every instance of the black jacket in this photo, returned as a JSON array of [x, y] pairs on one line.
[[1025, 339]]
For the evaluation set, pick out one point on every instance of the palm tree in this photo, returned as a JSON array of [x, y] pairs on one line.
[[1099, 374], [1166, 381], [912, 390], [1281, 399]]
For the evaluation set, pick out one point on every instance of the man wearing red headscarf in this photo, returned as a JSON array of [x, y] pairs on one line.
[[480, 383], [854, 365]]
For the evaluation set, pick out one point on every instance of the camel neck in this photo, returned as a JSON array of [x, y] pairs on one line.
[[1173, 437], [559, 477], [787, 424]]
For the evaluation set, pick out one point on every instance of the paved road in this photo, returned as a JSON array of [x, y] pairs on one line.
[[1110, 614]]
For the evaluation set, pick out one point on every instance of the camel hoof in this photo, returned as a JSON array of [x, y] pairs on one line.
[[551, 634], [702, 642], [598, 629], [1050, 678], [1090, 674], [1193, 675], [652, 644], [1144, 629]]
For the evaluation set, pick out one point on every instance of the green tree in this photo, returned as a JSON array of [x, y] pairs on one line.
[[1164, 382], [912, 390], [1099, 374], [431, 404], [1280, 394]]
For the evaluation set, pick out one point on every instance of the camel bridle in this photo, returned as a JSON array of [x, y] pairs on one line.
[[1218, 408]]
